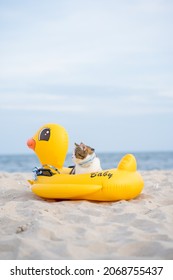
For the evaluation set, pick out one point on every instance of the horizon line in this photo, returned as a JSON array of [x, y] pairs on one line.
[[98, 152]]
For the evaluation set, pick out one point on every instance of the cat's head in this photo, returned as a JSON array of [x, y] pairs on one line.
[[81, 151]]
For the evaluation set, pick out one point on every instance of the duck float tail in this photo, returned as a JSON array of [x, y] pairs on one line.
[[128, 163], [54, 181]]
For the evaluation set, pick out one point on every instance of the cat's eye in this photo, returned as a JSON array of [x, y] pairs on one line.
[[44, 134]]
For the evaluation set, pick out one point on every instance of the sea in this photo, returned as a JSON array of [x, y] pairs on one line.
[[145, 161]]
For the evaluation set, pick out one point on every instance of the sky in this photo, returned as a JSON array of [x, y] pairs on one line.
[[103, 69]]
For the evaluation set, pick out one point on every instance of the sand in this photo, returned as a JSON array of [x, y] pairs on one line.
[[33, 228]]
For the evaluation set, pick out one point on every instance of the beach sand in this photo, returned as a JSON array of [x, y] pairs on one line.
[[33, 228]]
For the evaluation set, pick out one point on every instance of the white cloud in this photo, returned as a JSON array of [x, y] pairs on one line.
[[108, 44], [38, 102], [45, 108], [167, 94], [96, 43], [108, 102]]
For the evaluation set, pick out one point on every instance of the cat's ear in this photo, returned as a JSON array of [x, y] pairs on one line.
[[76, 144]]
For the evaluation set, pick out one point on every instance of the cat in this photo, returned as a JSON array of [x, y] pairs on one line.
[[85, 160]]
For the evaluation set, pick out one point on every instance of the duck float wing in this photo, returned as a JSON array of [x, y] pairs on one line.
[[64, 191]]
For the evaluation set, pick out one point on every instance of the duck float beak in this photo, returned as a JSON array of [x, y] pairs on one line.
[[31, 143]]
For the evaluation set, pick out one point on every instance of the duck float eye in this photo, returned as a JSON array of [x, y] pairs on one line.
[[44, 134]]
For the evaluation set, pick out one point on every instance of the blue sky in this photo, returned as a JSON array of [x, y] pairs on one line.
[[101, 68]]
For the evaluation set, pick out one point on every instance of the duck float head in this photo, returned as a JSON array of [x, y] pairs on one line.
[[50, 143]]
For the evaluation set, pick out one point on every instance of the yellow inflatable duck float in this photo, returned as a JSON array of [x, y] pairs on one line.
[[52, 180]]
